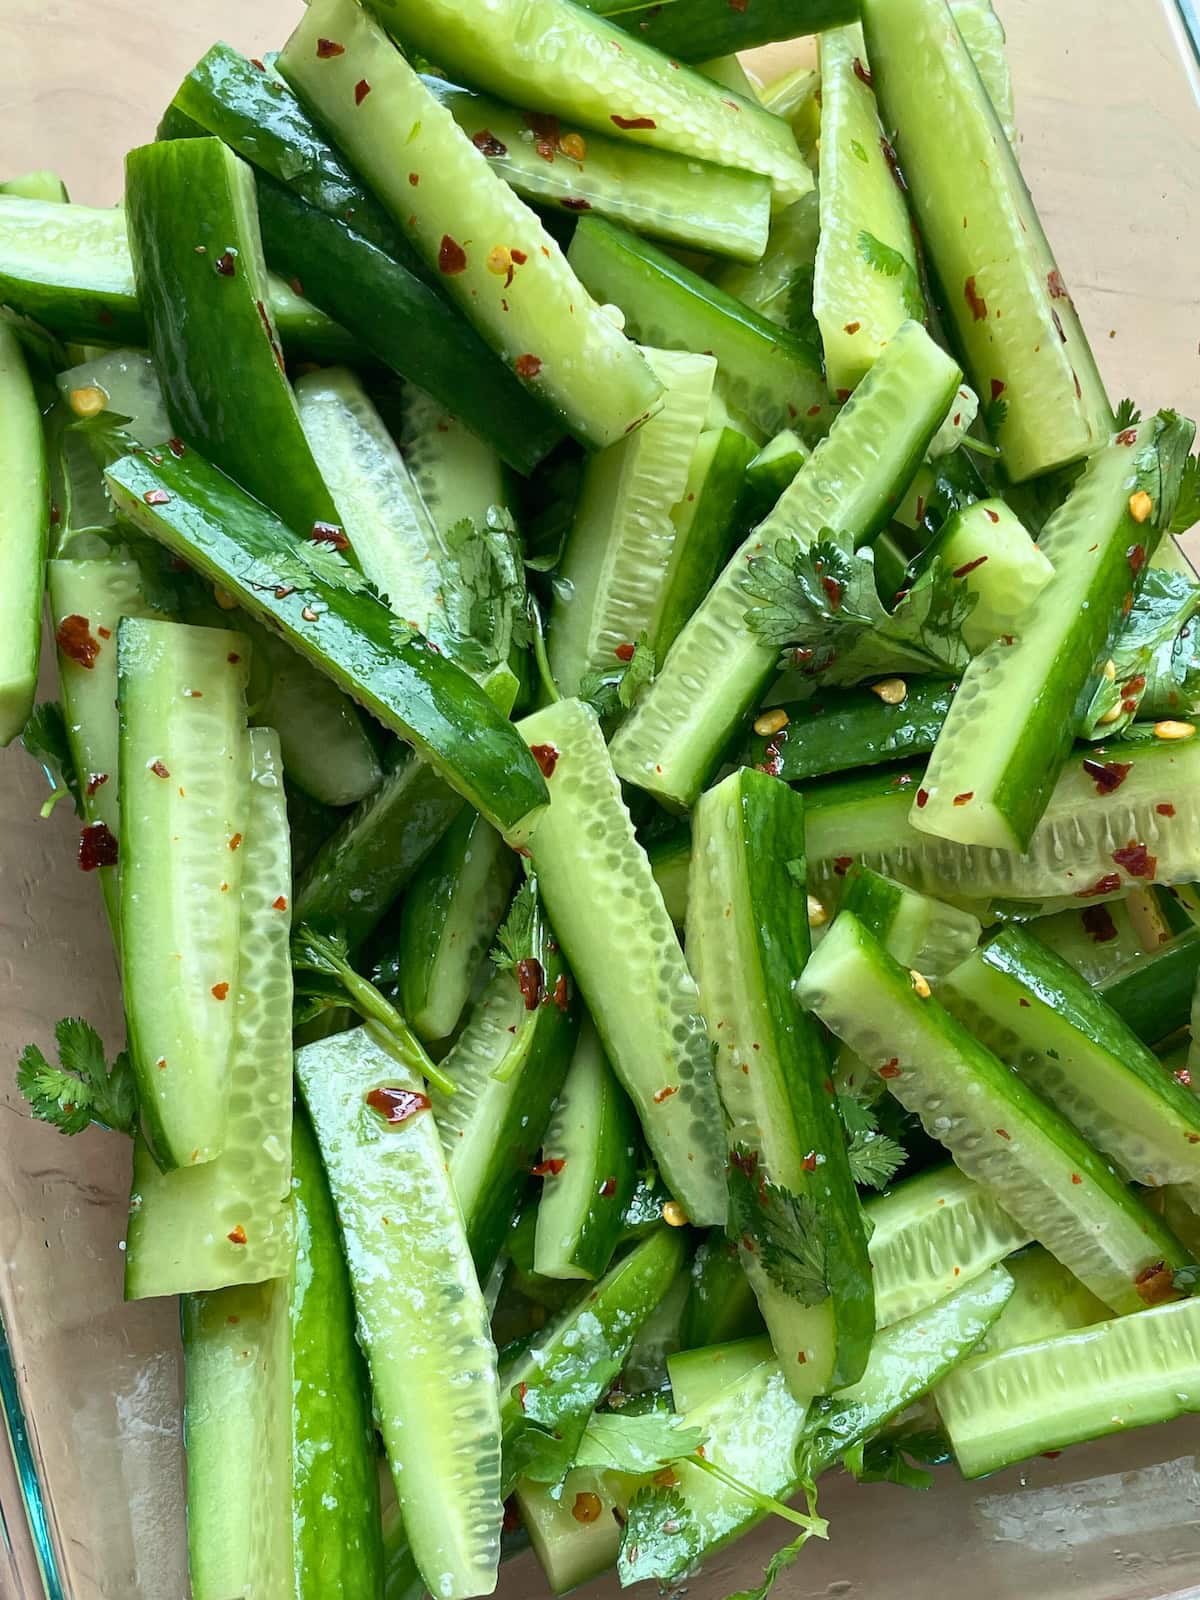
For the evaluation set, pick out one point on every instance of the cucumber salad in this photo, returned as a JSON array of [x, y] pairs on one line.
[[633, 703]]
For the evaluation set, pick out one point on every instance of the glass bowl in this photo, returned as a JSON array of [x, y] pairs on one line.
[[91, 1483]]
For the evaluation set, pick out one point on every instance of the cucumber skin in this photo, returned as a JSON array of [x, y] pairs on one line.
[[720, 1306], [421, 696], [180, 196], [841, 729], [401, 321], [25, 525], [337, 1538], [1152, 994], [698, 30]]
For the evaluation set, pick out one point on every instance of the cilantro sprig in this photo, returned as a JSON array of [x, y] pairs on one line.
[[83, 1088], [45, 739], [619, 688], [875, 1158], [783, 1229], [483, 591], [901, 1458], [515, 937], [891, 263]]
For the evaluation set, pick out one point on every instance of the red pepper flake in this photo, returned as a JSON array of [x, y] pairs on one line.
[[528, 366], [159, 771], [1135, 685], [233, 658], [842, 865], [998, 388], [279, 903], [531, 981], [1110, 883], [486, 142], [395, 1105], [74, 638], [746, 1163], [965, 798], [665, 1094], [813, 411], [1108, 775], [975, 300], [329, 533], [853, 327], [842, 396], [1183, 1076], [361, 90], [1128, 437], [156, 497], [577, 205], [1136, 557], [562, 998], [970, 566], [634, 122], [734, 5], [1127, 604], [893, 161], [1051, 1455], [226, 263], [922, 799], [235, 841], [1155, 1284], [269, 330], [1024, 1003], [810, 1161], [97, 847], [624, 652], [177, 447], [329, 47], [1136, 860], [519, 257], [546, 756], [220, 991], [1058, 289], [1004, 1133], [863, 73], [1062, 332], [1075, 1178], [1098, 922], [237, 1235], [452, 258], [549, 1168], [255, 62], [1165, 809], [772, 762], [608, 1188], [94, 782], [833, 590], [890, 1069], [512, 1517], [522, 1391]]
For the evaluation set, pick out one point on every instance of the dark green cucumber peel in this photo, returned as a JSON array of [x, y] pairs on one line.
[[841, 729], [197, 258], [720, 1306], [401, 321], [203, 517], [698, 30], [336, 1532], [1152, 994]]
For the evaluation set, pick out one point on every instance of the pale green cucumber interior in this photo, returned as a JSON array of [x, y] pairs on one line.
[[1013, 573], [457, 475], [1047, 1300], [131, 389]]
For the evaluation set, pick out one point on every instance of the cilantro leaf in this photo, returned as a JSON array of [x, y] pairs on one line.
[[661, 1537], [995, 414], [1164, 605], [483, 591], [1187, 1280], [637, 1445], [82, 1089], [894, 1458], [324, 562], [891, 263], [514, 941], [638, 674], [782, 1229], [1127, 416], [799, 316], [874, 1157], [44, 737], [821, 603], [618, 687], [1187, 508], [602, 691]]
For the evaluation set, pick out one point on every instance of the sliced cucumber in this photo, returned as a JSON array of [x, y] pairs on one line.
[[719, 667], [796, 97], [700, 1375], [866, 283], [579, 66], [644, 1373], [613, 572], [419, 1307], [100, 593], [779, 284], [679, 201], [932, 1234], [237, 1400], [993, 791], [1048, 1300], [1071, 853], [202, 284], [1097, 941], [1038, 1015], [447, 923], [1122, 1374], [840, 729], [390, 531], [747, 942], [770, 473], [457, 475], [915, 930], [128, 384], [983, 34], [999, 563], [1005, 295], [24, 534], [40, 185], [350, 637], [228, 1220], [609, 914], [996, 1128], [769, 378], [697, 30], [670, 861], [720, 1306], [508, 1065], [541, 318], [1152, 994], [571, 1548], [184, 804], [589, 1155]]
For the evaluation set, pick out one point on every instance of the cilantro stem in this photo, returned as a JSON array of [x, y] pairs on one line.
[[51, 801], [979, 447], [409, 1053], [817, 1526], [549, 687], [509, 1063]]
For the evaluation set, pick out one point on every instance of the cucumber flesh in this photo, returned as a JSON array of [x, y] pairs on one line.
[[995, 1127], [457, 475], [915, 930], [719, 667], [1096, 942], [983, 34], [769, 474], [768, 378], [720, 1306], [932, 1234], [184, 801], [1038, 1015], [678, 201], [590, 1155], [796, 97], [698, 30], [579, 66], [993, 791], [228, 1220], [613, 571], [747, 942], [866, 282], [543, 322], [571, 1550], [782, 273], [1047, 1300], [24, 534], [698, 1376], [1122, 1374], [609, 915], [128, 382], [1153, 994], [1005, 295], [419, 1308], [237, 1396], [39, 185], [1000, 565], [840, 729]]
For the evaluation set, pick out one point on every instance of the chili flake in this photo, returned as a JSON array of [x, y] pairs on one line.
[[361, 90], [528, 366], [975, 300], [220, 991], [922, 799], [1110, 883], [549, 1168], [74, 638], [226, 263], [863, 73], [97, 847], [329, 533], [624, 652], [157, 768], [1108, 775], [94, 782], [1156, 1284], [1165, 809], [608, 1188], [1098, 922], [531, 981], [562, 998], [156, 497], [1136, 860], [634, 122], [890, 1069], [970, 566], [329, 47], [486, 142], [237, 1235], [279, 903], [452, 258], [546, 756], [665, 1094], [395, 1105]]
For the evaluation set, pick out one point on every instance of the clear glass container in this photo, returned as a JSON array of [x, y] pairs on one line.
[[91, 1486]]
